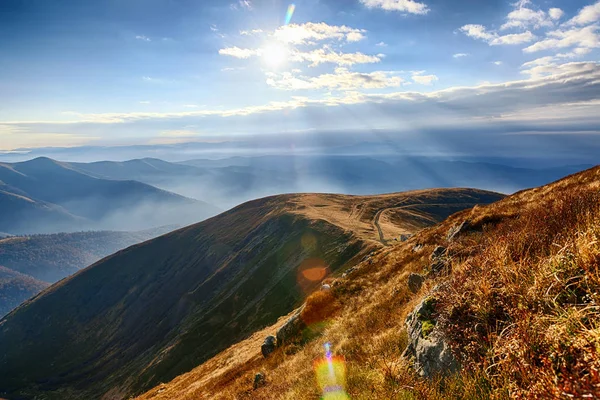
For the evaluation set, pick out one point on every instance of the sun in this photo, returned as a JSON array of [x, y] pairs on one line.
[[275, 55]]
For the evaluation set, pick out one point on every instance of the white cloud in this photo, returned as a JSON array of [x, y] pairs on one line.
[[514, 38], [586, 37], [142, 37], [341, 79], [381, 44], [408, 6], [325, 55], [587, 15], [571, 93], [493, 39], [144, 102], [497, 62], [252, 32], [556, 13], [311, 32], [239, 53], [478, 32], [460, 55], [527, 18], [354, 36], [241, 5], [419, 78]]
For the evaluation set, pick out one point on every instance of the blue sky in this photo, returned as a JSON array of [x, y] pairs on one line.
[[119, 72]]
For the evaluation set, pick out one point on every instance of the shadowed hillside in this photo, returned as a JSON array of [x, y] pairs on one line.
[[513, 294], [158, 309], [45, 259], [43, 195]]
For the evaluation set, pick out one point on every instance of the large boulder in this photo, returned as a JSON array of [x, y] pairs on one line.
[[268, 346], [291, 329], [427, 350], [415, 281]]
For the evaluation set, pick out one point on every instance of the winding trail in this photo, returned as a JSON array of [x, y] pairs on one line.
[[376, 224]]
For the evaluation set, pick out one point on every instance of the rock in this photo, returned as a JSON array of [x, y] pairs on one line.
[[439, 265], [404, 237], [458, 230], [325, 287], [417, 247], [427, 348], [439, 261], [291, 329], [415, 281], [268, 346], [348, 272], [259, 380], [438, 252]]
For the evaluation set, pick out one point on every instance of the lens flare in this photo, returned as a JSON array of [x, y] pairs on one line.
[[331, 375], [289, 13]]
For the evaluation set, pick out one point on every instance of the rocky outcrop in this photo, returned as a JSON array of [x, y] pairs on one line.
[[291, 329], [268, 346], [427, 348], [415, 281], [458, 230]]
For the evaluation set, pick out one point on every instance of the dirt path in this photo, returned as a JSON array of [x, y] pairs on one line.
[[376, 224]]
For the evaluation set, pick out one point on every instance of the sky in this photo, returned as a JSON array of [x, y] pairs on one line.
[[437, 72]]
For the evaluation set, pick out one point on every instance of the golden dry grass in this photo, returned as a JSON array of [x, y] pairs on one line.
[[520, 309]]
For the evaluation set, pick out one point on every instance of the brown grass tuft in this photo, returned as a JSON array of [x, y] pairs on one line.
[[319, 306]]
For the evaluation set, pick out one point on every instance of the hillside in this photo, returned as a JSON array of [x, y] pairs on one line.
[[15, 288], [43, 195], [37, 261], [22, 214], [515, 304], [153, 311]]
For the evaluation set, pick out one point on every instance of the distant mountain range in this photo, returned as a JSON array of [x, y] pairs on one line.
[[231, 181], [29, 264], [153, 311], [46, 196]]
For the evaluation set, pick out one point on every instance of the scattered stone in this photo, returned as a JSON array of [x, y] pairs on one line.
[[439, 265], [438, 252], [404, 237], [291, 329], [268, 346], [348, 272], [325, 287], [415, 281], [259, 380], [458, 230], [427, 348], [417, 247]]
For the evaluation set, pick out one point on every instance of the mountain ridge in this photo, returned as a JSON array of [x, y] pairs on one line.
[[161, 307]]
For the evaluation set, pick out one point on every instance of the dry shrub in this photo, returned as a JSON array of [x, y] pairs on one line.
[[319, 306], [525, 308]]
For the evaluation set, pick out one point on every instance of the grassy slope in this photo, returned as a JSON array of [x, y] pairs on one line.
[[156, 310], [520, 309]]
